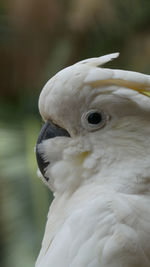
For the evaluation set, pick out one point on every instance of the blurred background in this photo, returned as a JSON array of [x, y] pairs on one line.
[[37, 39]]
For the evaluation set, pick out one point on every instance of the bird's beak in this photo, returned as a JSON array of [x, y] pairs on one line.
[[49, 130]]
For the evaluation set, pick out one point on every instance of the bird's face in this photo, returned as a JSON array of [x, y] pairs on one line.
[[90, 127]]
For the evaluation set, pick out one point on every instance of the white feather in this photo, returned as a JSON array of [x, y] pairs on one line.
[[99, 61], [100, 216]]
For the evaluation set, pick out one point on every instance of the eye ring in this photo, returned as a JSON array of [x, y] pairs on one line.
[[93, 119]]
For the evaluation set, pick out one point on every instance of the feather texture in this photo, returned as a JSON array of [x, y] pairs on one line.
[[100, 216]]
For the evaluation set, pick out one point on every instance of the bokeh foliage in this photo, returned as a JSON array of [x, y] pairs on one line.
[[37, 39]]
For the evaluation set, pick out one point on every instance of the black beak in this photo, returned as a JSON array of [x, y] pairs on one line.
[[49, 130]]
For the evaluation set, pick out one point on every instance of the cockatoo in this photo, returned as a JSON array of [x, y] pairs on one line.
[[93, 152]]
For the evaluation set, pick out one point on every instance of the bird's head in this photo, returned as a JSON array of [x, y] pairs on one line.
[[97, 126]]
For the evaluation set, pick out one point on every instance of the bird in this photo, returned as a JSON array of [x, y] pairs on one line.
[[93, 152]]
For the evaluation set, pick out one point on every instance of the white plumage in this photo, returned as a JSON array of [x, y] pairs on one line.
[[100, 176]]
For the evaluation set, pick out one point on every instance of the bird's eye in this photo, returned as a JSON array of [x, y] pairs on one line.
[[93, 120]]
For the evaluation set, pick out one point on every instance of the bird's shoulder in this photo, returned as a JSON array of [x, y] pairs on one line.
[[116, 223]]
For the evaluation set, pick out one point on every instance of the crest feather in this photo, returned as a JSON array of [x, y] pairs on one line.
[[99, 61]]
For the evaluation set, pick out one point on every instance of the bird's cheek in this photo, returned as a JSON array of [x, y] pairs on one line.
[[51, 150]]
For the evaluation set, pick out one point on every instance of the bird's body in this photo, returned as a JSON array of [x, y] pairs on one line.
[[102, 229], [100, 173]]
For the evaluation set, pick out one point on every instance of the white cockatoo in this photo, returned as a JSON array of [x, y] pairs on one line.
[[94, 153]]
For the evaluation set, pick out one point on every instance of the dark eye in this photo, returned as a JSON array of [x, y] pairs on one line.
[[93, 120]]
